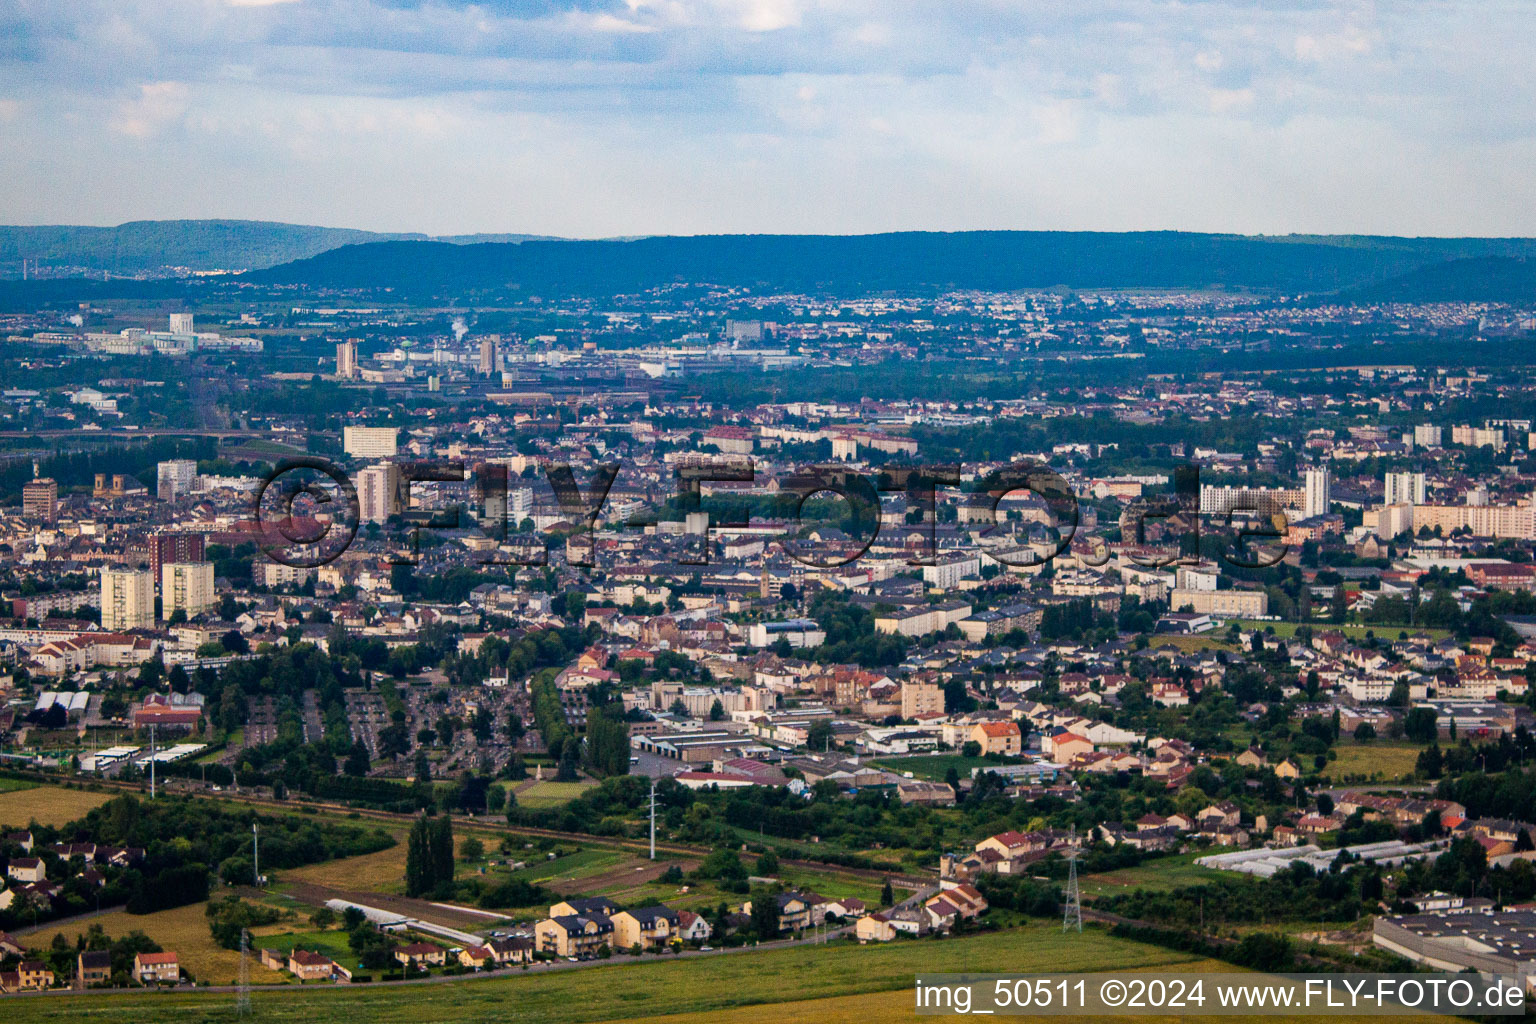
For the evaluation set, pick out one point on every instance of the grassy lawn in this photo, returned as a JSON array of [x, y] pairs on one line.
[[1213, 641], [1288, 629], [935, 766], [46, 805], [16, 785], [704, 986], [1163, 873], [835, 886], [572, 867], [552, 794], [183, 930], [333, 943], [1377, 761]]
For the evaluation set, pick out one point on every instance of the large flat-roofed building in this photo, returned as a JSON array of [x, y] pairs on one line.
[[1242, 604], [1491, 943], [798, 633], [370, 442]]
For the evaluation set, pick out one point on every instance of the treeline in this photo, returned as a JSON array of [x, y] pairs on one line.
[[182, 834], [429, 857], [1296, 894], [79, 469]]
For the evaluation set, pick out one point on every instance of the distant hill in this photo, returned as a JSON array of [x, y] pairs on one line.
[[897, 262], [1482, 279], [153, 246]]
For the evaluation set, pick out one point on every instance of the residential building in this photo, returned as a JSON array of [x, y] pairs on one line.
[[156, 968], [1317, 491], [378, 492], [187, 587], [40, 499], [919, 697], [175, 478], [370, 442], [127, 599], [647, 927], [574, 934], [1404, 489]]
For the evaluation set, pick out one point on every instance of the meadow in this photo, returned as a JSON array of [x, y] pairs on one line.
[[1376, 761], [183, 930], [46, 805], [707, 987]]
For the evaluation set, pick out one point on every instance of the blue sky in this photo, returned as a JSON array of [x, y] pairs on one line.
[[616, 117]]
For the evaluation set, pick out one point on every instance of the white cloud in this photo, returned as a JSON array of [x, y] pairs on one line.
[[718, 115], [157, 104]]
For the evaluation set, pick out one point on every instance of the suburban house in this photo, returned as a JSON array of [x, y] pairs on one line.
[[308, 966], [94, 967], [648, 927], [794, 910], [156, 968], [998, 738], [34, 975], [478, 957], [574, 934], [421, 954], [27, 869], [512, 950], [693, 927], [847, 908], [874, 928]]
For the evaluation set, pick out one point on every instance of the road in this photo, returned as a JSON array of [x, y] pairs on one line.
[[314, 730]]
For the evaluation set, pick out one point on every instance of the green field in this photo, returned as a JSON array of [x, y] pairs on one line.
[[16, 785], [543, 795], [625, 991], [1376, 761], [934, 767], [332, 943], [1162, 873], [1288, 629], [583, 863]]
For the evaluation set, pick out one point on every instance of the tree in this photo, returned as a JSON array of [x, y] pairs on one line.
[[1365, 732], [419, 876], [472, 849], [819, 735], [1419, 725], [765, 915], [357, 760], [567, 771], [768, 864], [887, 895], [716, 711]]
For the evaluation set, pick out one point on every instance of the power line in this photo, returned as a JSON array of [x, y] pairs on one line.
[[243, 990], [1073, 915]]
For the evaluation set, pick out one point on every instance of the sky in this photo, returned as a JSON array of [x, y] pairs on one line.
[[599, 118]]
